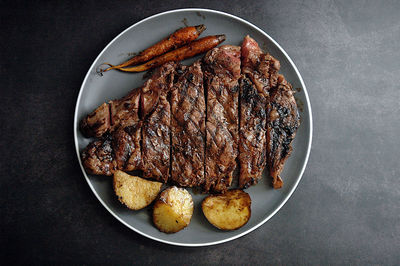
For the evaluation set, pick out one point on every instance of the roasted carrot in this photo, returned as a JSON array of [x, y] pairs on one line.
[[196, 47], [173, 41]]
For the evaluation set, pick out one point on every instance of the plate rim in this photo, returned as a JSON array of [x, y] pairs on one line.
[[286, 198]]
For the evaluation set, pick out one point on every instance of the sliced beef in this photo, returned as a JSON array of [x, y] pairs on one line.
[[125, 111], [119, 125], [281, 117], [126, 147], [156, 113], [97, 122], [117, 151], [166, 129], [119, 147], [98, 157], [156, 142], [260, 75], [283, 122], [221, 73], [261, 68], [252, 134], [126, 129], [159, 83], [112, 115], [188, 128]]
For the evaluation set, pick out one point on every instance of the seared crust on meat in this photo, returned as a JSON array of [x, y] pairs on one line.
[[110, 116], [221, 72], [156, 142], [125, 111], [252, 133], [120, 121], [283, 122], [126, 147], [188, 128], [123, 144], [97, 122], [260, 72], [98, 157], [126, 129], [261, 68], [159, 83], [156, 113]]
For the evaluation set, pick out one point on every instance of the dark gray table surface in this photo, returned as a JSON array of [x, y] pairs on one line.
[[346, 208]]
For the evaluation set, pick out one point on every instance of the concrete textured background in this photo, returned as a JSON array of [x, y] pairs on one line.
[[346, 209]]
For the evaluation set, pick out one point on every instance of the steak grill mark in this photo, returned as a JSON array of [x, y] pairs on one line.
[[221, 72], [188, 128]]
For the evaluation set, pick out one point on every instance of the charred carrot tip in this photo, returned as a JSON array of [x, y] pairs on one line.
[[200, 28]]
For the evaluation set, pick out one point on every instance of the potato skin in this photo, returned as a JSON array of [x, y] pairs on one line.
[[135, 192], [173, 210], [228, 211]]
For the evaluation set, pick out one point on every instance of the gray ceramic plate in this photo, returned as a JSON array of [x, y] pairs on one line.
[[112, 85]]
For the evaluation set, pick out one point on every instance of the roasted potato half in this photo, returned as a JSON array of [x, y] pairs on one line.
[[227, 211], [135, 192], [173, 210]]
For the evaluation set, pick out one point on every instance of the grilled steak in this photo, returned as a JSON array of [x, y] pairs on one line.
[[120, 125], [252, 134], [110, 116], [126, 147], [188, 128], [119, 151], [97, 122], [186, 124], [221, 73], [98, 157], [283, 122], [121, 148], [125, 128], [156, 114], [281, 111], [125, 112], [260, 71]]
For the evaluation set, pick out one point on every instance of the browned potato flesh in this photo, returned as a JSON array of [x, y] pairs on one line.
[[135, 192], [228, 211], [173, 210]]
